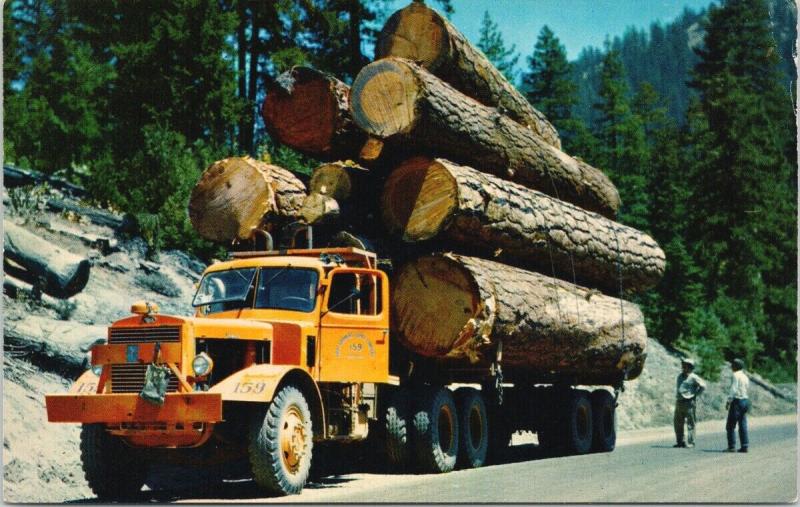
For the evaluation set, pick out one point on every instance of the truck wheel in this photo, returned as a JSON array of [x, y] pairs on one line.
[[604, 421], [112, 469], [435, 434], [473, 427], [579, 422], [281, 442], [398, 415]]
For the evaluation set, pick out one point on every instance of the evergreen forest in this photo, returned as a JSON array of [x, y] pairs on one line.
[[693, 121]]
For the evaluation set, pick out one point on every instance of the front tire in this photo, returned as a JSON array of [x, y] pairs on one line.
[[113, 470], [435, 425], [281, 443], [473, 428]]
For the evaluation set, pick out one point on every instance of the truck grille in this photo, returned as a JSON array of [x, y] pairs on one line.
[[129, 378], [144, 334]]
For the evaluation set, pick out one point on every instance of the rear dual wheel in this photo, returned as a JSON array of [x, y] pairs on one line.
[[435, 430], [397, 420], [473, 427], [604, 421], [579, 423], [571, 428]]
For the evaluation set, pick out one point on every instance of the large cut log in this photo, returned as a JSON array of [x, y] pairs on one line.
[[453, 307], [52, 269], [427, 199], [396, 100], [422, 35], [236, 195], [342, 192], [308, 110]]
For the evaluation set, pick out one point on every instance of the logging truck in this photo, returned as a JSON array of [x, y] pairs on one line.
[[288, 348]]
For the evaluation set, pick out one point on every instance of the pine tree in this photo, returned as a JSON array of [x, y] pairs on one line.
[[59, 98], [492, 45], [744, 206], [174, 66], [671, 306], [549, 87], [623, 152]]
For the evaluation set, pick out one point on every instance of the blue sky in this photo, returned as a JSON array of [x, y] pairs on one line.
[[577, 23]]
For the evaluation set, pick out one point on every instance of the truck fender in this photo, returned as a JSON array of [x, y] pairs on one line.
[[260, 382]]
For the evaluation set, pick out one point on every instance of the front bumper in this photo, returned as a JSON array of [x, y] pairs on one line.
[[130, 408]]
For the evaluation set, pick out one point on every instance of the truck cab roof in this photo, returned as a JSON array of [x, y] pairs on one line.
[[301, 258]]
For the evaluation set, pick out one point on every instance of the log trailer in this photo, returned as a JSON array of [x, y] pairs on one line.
[[293, 347]]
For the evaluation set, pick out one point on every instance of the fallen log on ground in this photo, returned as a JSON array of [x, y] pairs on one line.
[[435, 199], [422, 35], [124, 223], [18, 177], [239, 194], [308, 111], [53, 270], [394, 99], [453, 307], [53, 345]]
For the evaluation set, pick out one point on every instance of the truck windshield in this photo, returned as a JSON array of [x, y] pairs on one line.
[[287, 288], [224, 290]]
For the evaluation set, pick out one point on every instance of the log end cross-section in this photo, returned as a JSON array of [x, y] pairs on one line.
[[417, 33], [307, 110], [419, 197], [235, 194], [388, 92]]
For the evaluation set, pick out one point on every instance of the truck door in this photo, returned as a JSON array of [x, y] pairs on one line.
[[354, 327]]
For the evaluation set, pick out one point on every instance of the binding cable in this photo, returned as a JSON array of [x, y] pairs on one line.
[[569, 253]]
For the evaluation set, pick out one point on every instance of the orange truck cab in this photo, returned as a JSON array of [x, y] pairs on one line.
[[288, 347]]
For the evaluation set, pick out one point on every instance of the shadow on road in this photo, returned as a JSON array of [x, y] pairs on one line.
[[332, 464]]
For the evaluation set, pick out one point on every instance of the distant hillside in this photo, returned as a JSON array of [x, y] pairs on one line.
[[664, 57]]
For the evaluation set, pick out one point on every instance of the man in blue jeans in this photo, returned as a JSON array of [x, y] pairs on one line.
[[738, 405]]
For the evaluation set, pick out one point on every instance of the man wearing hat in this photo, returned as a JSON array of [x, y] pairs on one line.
[[689, 387], [738, 404]]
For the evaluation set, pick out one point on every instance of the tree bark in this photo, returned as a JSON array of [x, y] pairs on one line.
[[236, 195], [453, 307], [396, 100], [426, 199], [422, 35], [308, 111], [54, 270]]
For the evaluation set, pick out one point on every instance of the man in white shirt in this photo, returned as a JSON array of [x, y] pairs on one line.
[[689, 387], [738, 405]]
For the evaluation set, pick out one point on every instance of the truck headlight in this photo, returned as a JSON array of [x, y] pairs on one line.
[[97, 369], [202, 364]]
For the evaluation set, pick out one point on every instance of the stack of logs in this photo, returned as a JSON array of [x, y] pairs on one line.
[[496, 236]]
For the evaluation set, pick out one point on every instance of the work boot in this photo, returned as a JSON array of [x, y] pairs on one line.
[[730, 449], [743, 449], [679, 444]]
